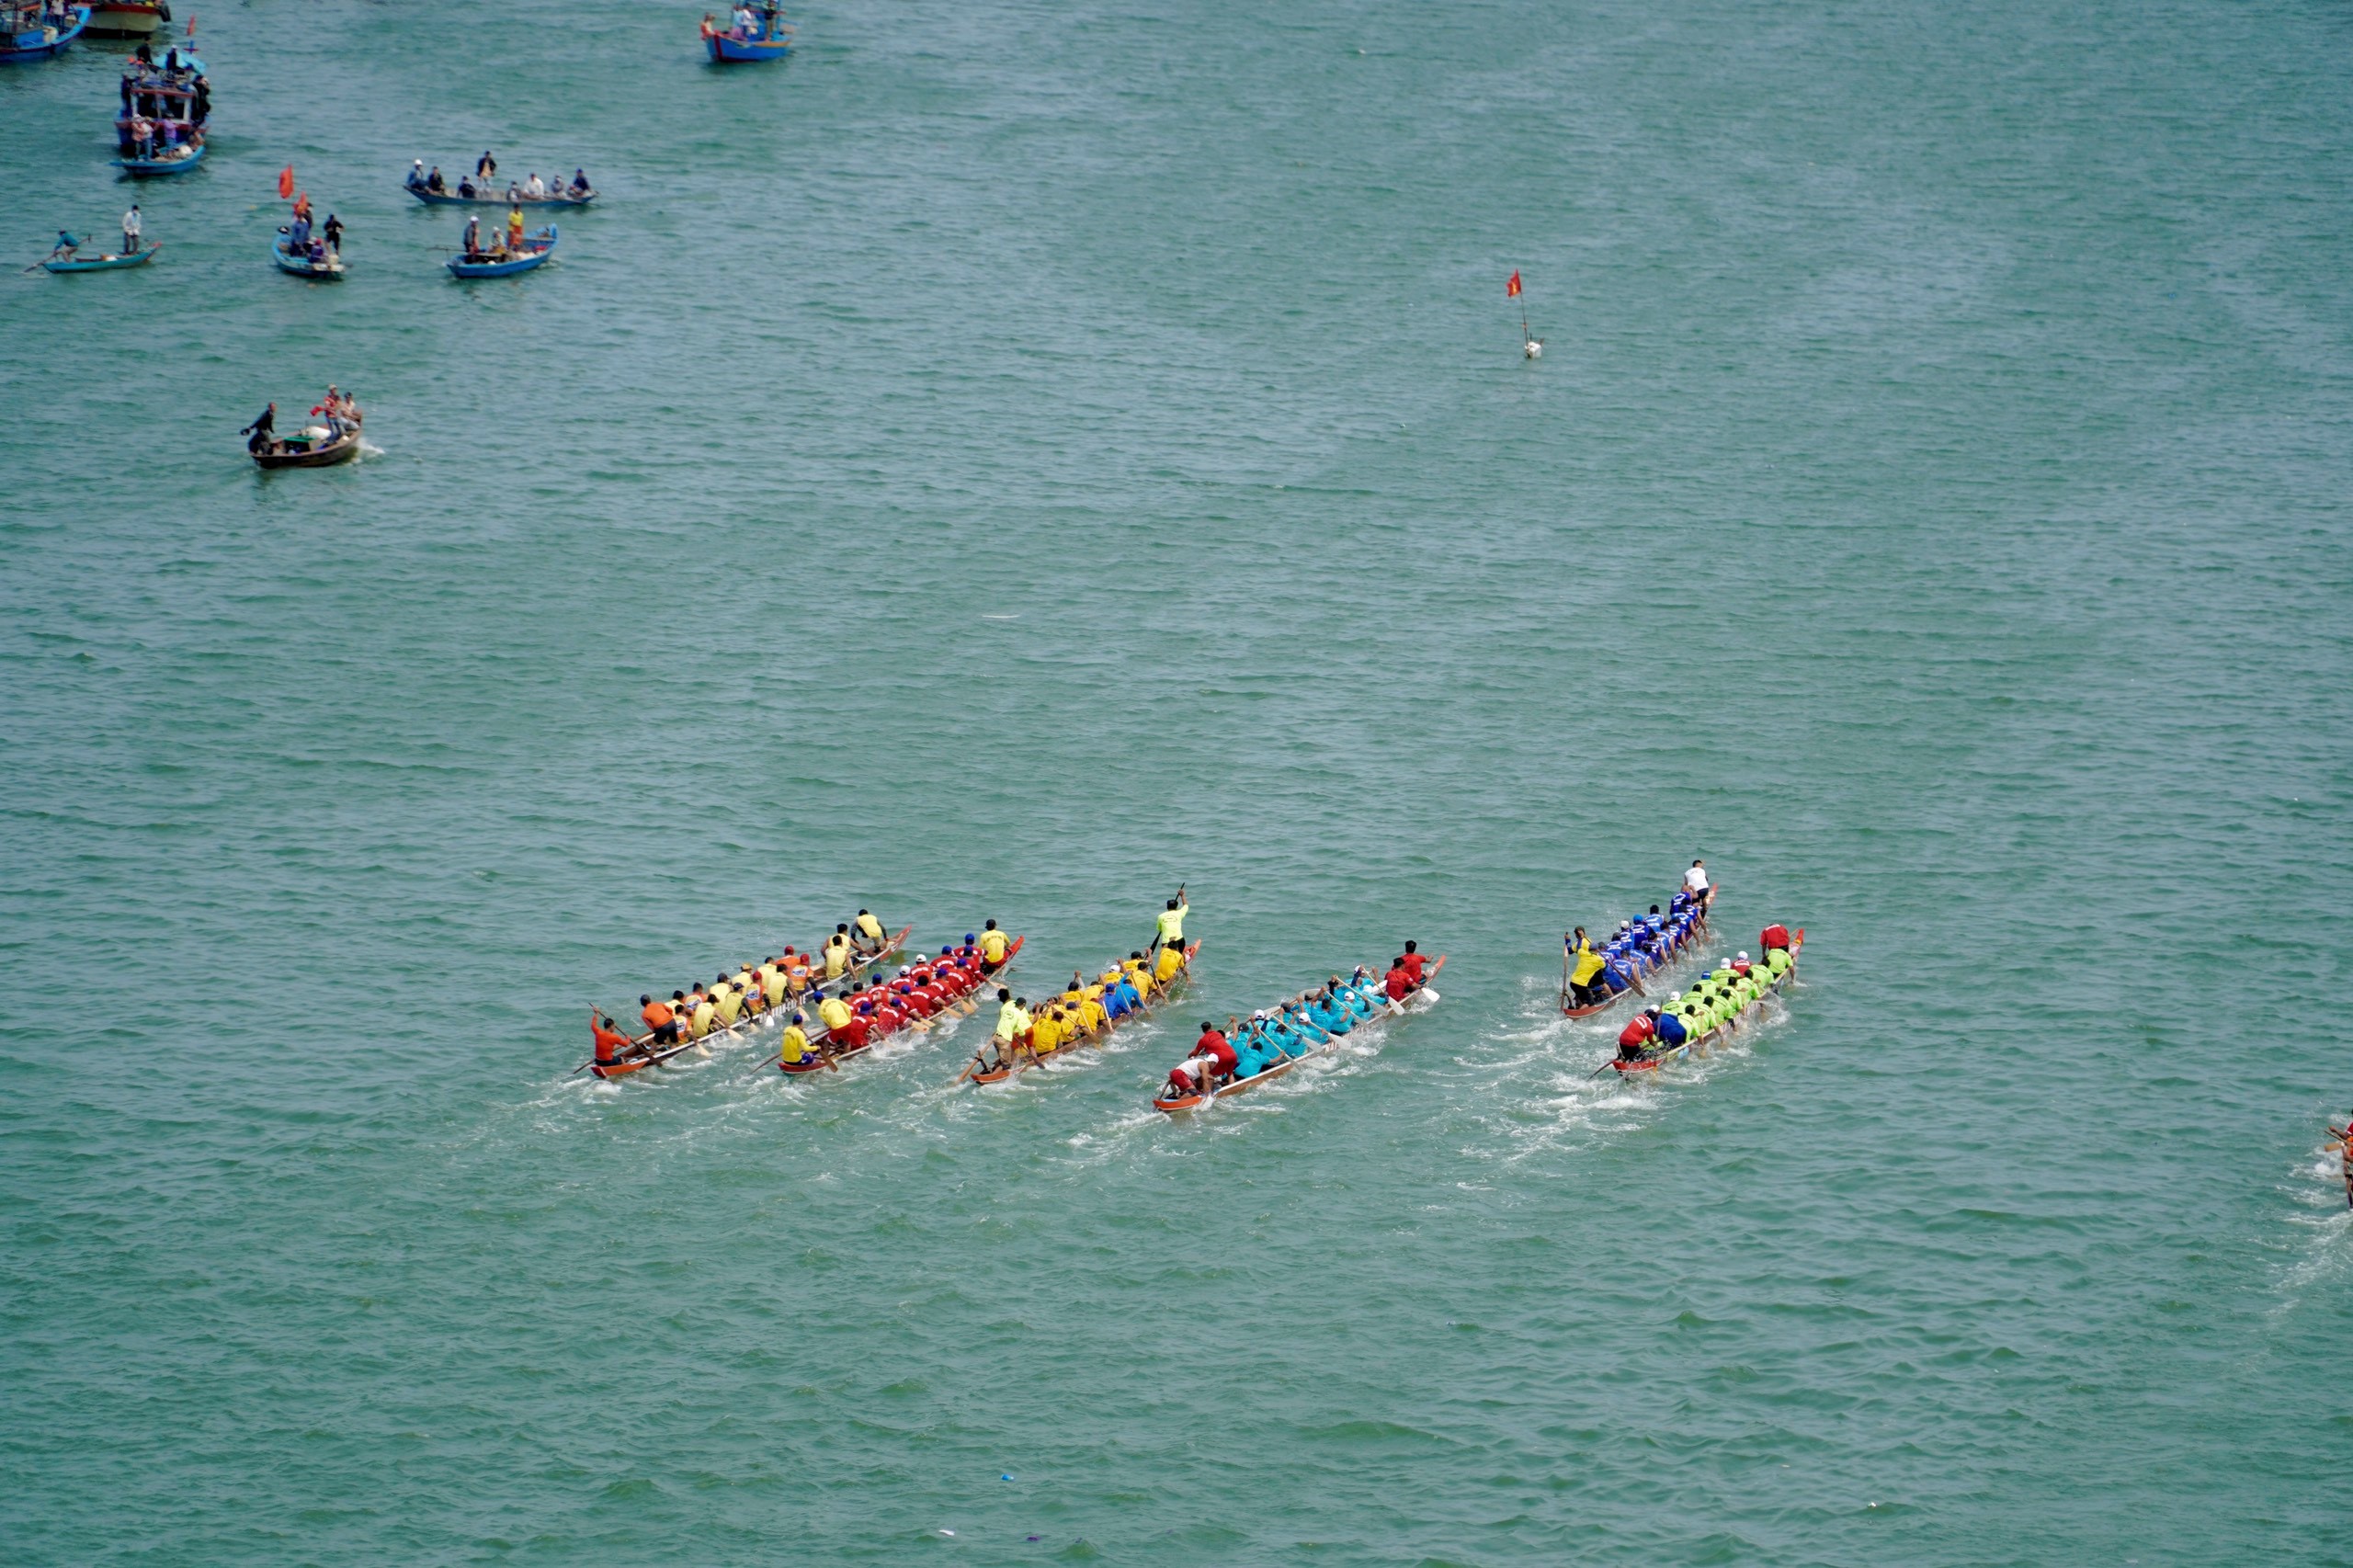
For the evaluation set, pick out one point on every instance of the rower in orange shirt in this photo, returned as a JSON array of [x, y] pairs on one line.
[[610, 1043]]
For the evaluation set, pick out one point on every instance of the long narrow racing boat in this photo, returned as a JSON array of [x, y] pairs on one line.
[[1692, 935], [1651, 1061], [1420, 1000], [964, 1006], [1023, 1062], [648, 1056]]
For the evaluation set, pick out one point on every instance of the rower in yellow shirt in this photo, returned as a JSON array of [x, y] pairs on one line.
[[868, 938], [1139, 976], [834, 1013], [702, 1015], [794, 1047], [1046, 1033], [726, 1003], [837, 955], [1172, 961], [994, 944], [1091, 1015]]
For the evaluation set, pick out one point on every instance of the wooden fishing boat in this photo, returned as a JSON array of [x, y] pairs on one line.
[[1419, 1001], [512, 196], [327, 270], [1023, 1063], [175, 160], [21, 44], [304, 451], [140, 257], [769, 37], [1650, 1061], [742, 1026], [127, 19], [964, 1006], [536, 249]]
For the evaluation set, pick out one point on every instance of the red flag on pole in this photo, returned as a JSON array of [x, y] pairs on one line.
[[1511, 290], [286, 188]]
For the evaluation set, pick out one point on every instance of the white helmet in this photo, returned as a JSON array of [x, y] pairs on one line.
[[1675, 996]]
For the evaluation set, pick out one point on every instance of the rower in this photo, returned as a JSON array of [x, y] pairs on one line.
[[1635, 1037], [994, 947], [1216, 1049], [1172, 962], [1046, 1033], [1415, 965], [794, 1047], [838, 952], [1012, 1022], [868, 938], [1670, 1027], [1585, 970], [660, 1017], [728, 1004], [1189, 1078], [1171, 922], [1398, 983], [610, 1043], [701, 1013], [832, 1011]]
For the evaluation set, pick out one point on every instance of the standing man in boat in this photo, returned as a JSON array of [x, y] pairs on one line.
[[1695, 882], [472, 242], [131, 228], [263, 430], [333, 231], [1171, 922], [868, 937], [485, 166]]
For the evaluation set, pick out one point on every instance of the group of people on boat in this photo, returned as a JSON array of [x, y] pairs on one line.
[[482, 183], [851, 1020], [337, 414], [1638, 947], [1085, 1011], [69, 243], [504, 243], [1274, 1036], [316, 245], [1717, 1000], [750, 24], [164, 107]]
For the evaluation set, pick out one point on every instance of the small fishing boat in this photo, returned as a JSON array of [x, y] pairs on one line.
[[127, 19], [38, 32], [102, 263], [1006, 1068], [1650, 1061], [1418, 1001], [176, 159], [964, 1006], [166, 106], [326, 268], [468, 194], [648, 1057], [313, 446], [758, 33], [505, 263]]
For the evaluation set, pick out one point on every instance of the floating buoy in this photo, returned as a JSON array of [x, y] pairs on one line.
[[1533, 348]]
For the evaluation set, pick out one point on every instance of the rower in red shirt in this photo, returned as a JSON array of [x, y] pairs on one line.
[[1636, 1036], [1215, 1047], [858, 1032], [1413, 964], [610, 1042], [1398, 982]]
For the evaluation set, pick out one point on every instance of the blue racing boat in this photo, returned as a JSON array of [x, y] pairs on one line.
[[757, 33], [102, 263], [173, 160], [38, 32], [503, 263]]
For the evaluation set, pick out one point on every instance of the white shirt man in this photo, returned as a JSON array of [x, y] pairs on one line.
[[1695, 881], [131, 232]]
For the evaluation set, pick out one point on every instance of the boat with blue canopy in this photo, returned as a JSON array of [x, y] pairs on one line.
[[502, 261], [754, 33], [29, 32]]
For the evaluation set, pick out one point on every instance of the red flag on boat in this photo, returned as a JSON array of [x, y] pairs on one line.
[[286, 187], [1511, 290]]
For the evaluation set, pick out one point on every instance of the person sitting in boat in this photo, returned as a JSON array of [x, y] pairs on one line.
[[1634, 1040], [1187, 1078], [579, 189], [1131, 997], [994, 944], [433, 182], [611, 1044], [1172, 963], [466, 188], [1670, 1027], [416, 180], [794, 1044], [535, 188], [661, 1019], [1216, 1049]]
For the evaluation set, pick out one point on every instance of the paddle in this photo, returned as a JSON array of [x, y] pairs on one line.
[[1564, 974]]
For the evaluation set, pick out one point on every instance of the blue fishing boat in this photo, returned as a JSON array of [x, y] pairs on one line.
[[177, 159], [102, 263], [38, 32], [756, 33], [536, 249], [328, 268], [469, 195]]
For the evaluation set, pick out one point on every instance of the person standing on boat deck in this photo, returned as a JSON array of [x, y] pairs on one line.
[[1695, 881], [485, 166], [513, 228], [868, 938], [610, 1043], [333, 230], [472, 241], [1171, 922], [263, 430]]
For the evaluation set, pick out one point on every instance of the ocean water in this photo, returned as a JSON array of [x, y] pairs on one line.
[[1009, 459]]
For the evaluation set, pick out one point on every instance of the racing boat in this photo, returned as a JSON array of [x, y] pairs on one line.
[[1650, 1061], [743, 1028], [1416, 1001], [1570, 1010], [1005, 1069], [964, 1006]]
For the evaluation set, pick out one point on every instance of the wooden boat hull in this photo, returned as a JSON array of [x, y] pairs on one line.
[[18, 49], [451, 199], [127, 19], [816, 1063], [726, 49], [343, 448], [1653, 1062], [542, 247], [1179, 1103], [327, 271], [107, 263], [1023, 1065], [159, 168]]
